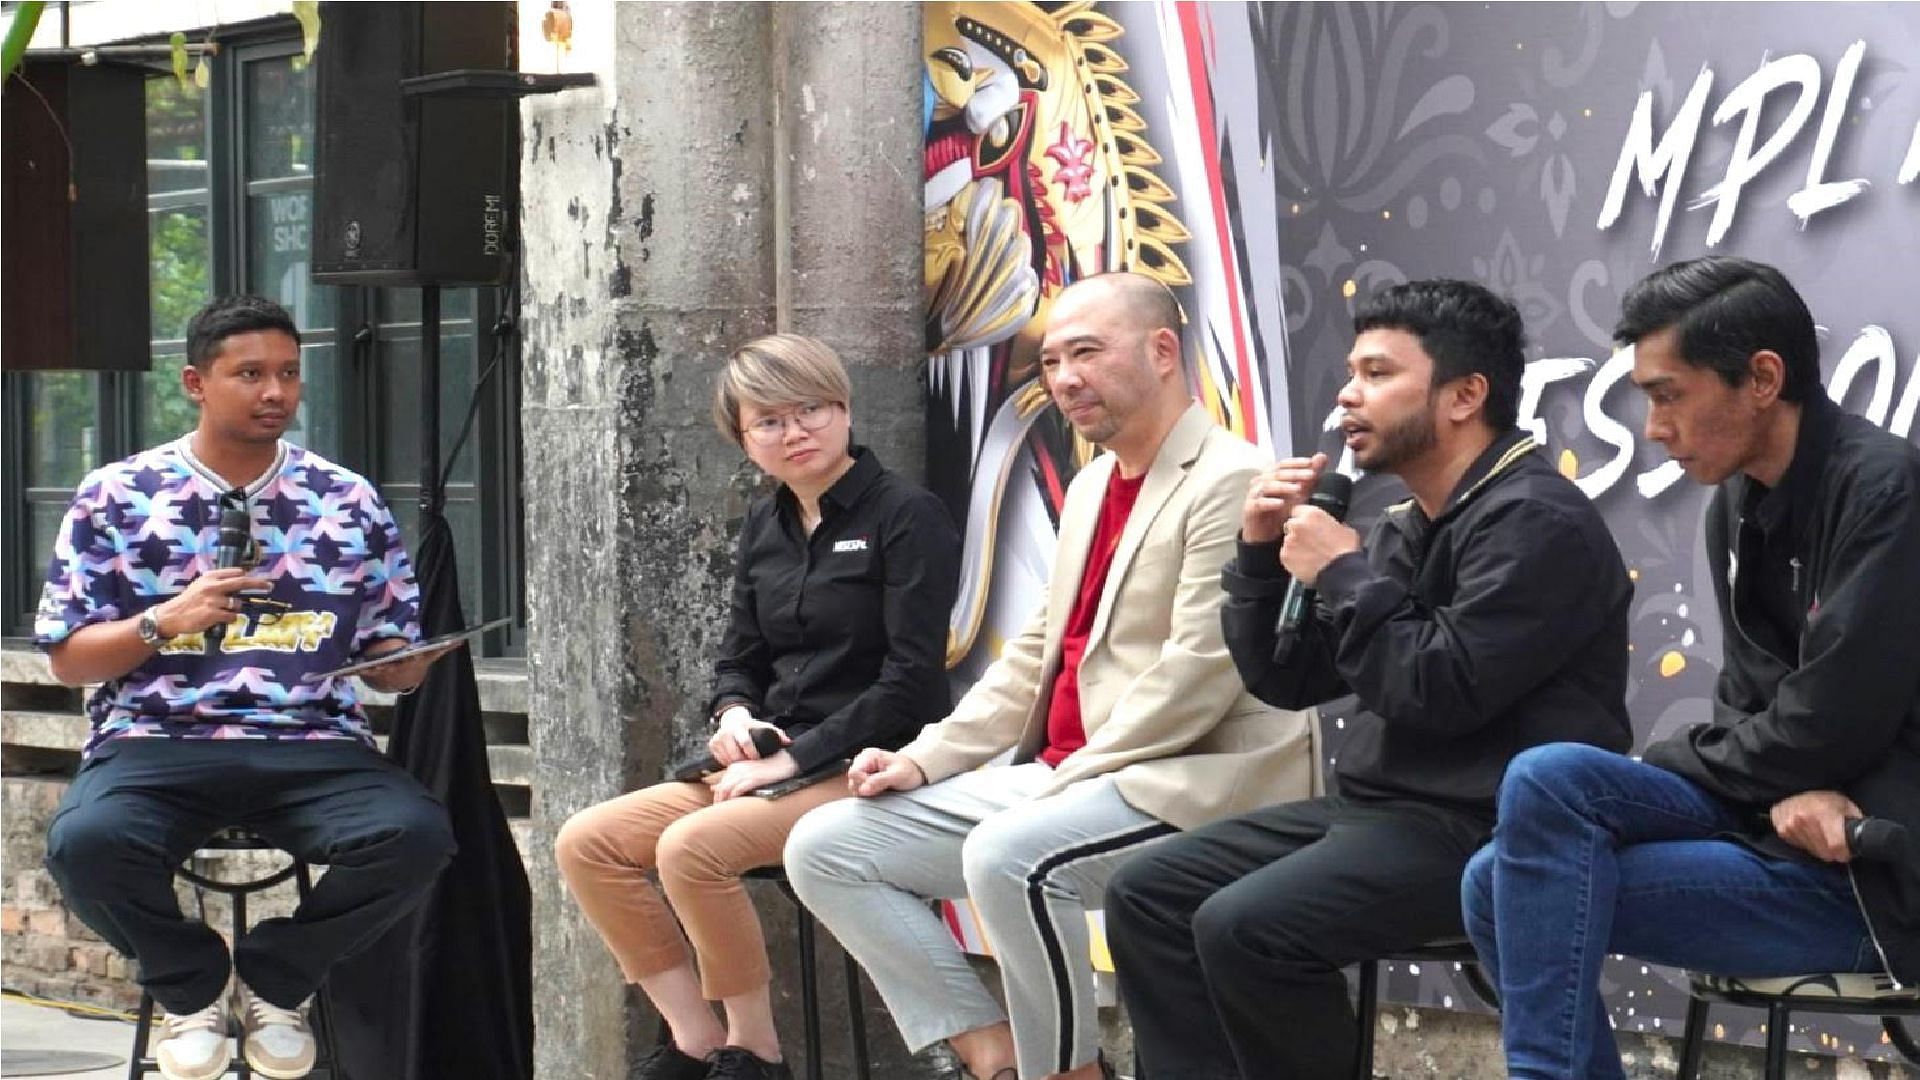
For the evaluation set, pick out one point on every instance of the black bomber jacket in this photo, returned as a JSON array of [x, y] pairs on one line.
[[1843, 713], [1498, 625]]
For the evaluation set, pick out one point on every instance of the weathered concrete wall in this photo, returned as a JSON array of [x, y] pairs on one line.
[[850, 102], [670, 213]]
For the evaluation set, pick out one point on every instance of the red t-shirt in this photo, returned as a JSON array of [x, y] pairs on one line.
[[1065, 732]]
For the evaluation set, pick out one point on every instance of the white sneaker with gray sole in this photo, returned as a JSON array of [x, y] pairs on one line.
[[279, 1044], [193, 1046]]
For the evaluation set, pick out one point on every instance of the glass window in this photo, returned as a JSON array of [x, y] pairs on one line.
[[278, 109], [398, 381], [279, 103], [63, 420], [180, 248]]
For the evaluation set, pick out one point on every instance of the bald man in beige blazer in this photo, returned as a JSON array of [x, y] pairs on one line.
[[1150, 733]]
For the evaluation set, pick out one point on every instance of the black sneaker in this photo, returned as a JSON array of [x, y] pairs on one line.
[[735, 1063], [666, 1062]]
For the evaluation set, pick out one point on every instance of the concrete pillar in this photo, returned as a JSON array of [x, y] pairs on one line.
[[851, 102], [738, 163]]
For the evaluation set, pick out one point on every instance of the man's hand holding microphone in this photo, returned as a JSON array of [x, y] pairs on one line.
[[1281, 506], [210, 600]]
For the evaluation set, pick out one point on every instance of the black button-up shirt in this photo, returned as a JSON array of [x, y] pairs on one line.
[[840, 638], [1768, 577]]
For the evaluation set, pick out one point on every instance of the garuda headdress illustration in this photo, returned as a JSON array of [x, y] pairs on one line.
[[1038, 174]]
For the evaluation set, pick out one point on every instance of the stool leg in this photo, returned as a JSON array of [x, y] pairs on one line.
[[809, 994], [857, 1017], [1693, 1045], [241, 1070], [1778, 1020], [1367, 1010], [320, 1014], [142, 1035]]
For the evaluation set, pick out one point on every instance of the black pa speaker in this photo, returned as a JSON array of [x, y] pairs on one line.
[[73, 209], [412, 189]]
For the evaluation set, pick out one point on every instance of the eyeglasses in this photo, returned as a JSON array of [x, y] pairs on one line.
[[772, 427]]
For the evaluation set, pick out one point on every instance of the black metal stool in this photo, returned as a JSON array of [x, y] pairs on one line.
[[1869, 995], [320, 1016], [1442, 951], [809, 984]]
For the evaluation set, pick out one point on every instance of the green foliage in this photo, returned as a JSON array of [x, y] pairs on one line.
[[177, 242], [179, 44], [307, 12], [26, 17]]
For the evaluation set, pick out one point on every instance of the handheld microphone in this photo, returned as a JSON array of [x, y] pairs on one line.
[[230, 550], [765, 740], [1331, 493], [236, 534], [1877, 839]]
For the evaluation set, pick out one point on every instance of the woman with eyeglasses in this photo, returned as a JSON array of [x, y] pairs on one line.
[[836, 641]]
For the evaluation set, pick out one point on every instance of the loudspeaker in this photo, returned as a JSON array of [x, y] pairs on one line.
[[73, 209], [412, 189]]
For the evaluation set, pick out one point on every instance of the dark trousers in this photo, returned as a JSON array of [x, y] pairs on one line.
[[1229, 940], [140, 806]]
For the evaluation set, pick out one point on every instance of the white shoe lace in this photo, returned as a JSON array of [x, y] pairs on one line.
[[207, 1019], [264, 1013]]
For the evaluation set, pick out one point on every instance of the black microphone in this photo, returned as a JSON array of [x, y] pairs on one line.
[[1877, 840], [236, 535], [230, 550], [765, 739], [1330, 493]]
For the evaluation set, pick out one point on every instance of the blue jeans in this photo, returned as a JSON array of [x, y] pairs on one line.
[[1596, 853]]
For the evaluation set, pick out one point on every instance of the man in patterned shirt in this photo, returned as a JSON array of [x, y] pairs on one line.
[[203, 718]]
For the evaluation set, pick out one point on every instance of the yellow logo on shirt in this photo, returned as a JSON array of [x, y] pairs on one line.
[[281, 631], [275, 631]]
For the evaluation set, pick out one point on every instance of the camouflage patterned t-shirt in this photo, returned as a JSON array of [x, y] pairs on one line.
[[140, 530]]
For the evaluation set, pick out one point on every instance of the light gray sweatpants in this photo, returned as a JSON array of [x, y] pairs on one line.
[[1033, 868]]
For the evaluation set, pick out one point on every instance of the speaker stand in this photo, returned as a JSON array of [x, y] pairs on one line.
[[431, 496]]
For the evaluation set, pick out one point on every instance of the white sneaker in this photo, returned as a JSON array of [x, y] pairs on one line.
[[193, 1046], [279, 1045]]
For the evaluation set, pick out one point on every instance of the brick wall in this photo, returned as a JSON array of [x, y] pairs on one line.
[[46, 951]]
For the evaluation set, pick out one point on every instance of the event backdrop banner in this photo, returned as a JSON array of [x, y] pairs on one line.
[[1275, 162]]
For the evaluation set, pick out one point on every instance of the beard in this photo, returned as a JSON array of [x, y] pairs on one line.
[[1401, 443]]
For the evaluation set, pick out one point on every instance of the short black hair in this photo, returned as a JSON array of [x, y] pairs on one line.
[[1723, 309], [1465, 328], [225, 316]]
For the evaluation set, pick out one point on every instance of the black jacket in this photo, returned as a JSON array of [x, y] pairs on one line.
[[1499, 625], [1844, 713], [840, 638]]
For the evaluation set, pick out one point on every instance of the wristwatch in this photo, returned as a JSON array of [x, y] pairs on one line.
[[149, 628]]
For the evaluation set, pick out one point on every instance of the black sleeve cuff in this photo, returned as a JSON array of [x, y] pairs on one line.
[[1342, 577], [809, 751], [1258, 560]]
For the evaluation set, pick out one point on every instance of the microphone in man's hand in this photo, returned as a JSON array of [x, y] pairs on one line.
[[1877, 840], [1331, 493], [765, 739], [230, 549]]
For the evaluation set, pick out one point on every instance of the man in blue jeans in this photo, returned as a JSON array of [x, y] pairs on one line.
[[1727, 848]]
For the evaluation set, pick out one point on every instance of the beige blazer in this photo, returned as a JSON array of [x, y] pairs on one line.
[[1165, 712]]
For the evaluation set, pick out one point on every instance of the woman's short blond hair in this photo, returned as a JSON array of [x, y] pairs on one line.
[[776, 372]]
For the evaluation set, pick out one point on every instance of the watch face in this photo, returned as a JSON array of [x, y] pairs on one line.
[[149, 628]]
